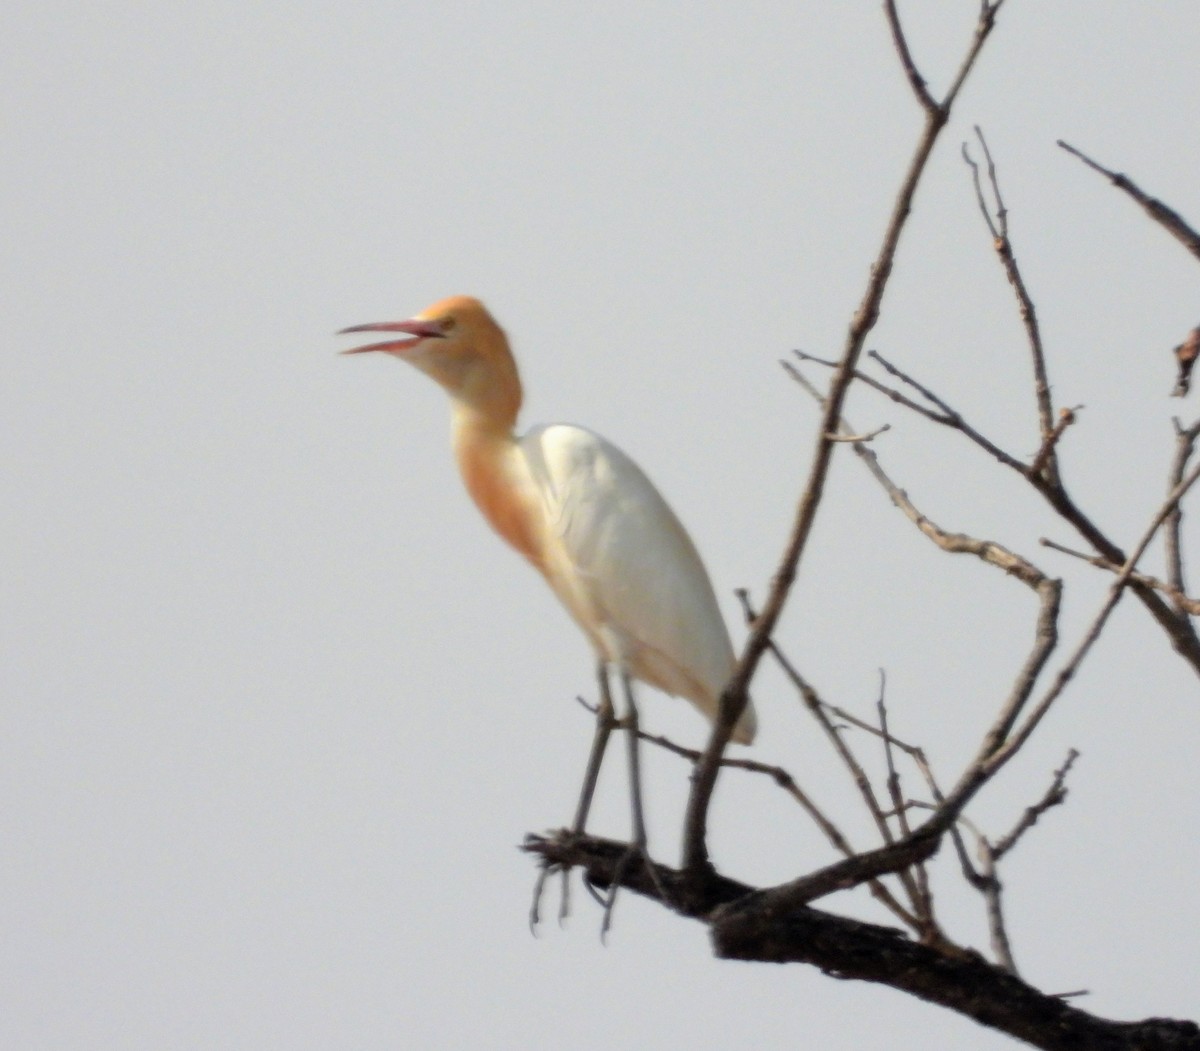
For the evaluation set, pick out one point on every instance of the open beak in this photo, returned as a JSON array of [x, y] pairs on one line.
[[417, 328]]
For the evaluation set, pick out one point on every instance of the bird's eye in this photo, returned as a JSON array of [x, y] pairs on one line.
[[448, 324]]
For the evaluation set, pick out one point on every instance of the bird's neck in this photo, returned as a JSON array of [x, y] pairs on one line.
[[495, 475]]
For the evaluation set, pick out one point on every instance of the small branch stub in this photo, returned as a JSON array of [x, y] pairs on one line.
[[1185, 357]]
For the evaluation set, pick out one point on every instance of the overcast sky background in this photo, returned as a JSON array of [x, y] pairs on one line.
[[277, 707]]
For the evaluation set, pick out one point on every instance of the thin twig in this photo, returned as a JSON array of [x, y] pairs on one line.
[[870, 381], [1185, 442], [956, 543], [986, 879], [923, 898], [951, 417], [831, 831], [998, 748], [993, 897], [1001, 241], [869, 436], [1169, 219], [818, 709], [1046, 460], [1054, 796], [915, 80], [1181, 601]]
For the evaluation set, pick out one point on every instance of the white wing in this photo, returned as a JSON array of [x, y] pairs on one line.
[[626, 569]]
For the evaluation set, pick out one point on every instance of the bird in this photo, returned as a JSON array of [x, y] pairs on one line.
[[587, 518]]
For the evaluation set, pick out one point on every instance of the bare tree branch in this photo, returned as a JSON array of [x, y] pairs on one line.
[[779, 923], [1185, 444], [915, 81], [1045, 459], [1002, 753], [986, 879], [1003, 245], [818, 709], [1176, 624], [1182, 602], [734, 696], [951, 417], [1169, 219], [1055, 796], [987, 882], [922, 893], [870, 381]]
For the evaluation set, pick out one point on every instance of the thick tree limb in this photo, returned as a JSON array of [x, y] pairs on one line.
[[966, 983], [748, 924]]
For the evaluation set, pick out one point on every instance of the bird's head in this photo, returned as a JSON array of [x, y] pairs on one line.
[[457, 343]]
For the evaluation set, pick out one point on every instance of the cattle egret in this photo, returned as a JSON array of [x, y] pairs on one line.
[[586, 517]]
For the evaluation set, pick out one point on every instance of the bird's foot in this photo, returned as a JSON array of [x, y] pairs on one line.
[[547, 869], [539, 887], [604, 892], [636, 852]]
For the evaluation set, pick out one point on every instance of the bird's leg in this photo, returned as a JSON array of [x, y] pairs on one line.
[[637, 848], [633, 746], [605, 721]]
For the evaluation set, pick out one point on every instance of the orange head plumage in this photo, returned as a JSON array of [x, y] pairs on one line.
[[458, 343]]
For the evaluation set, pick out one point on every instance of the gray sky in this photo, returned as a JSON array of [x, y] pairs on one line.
[[278, 708]]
